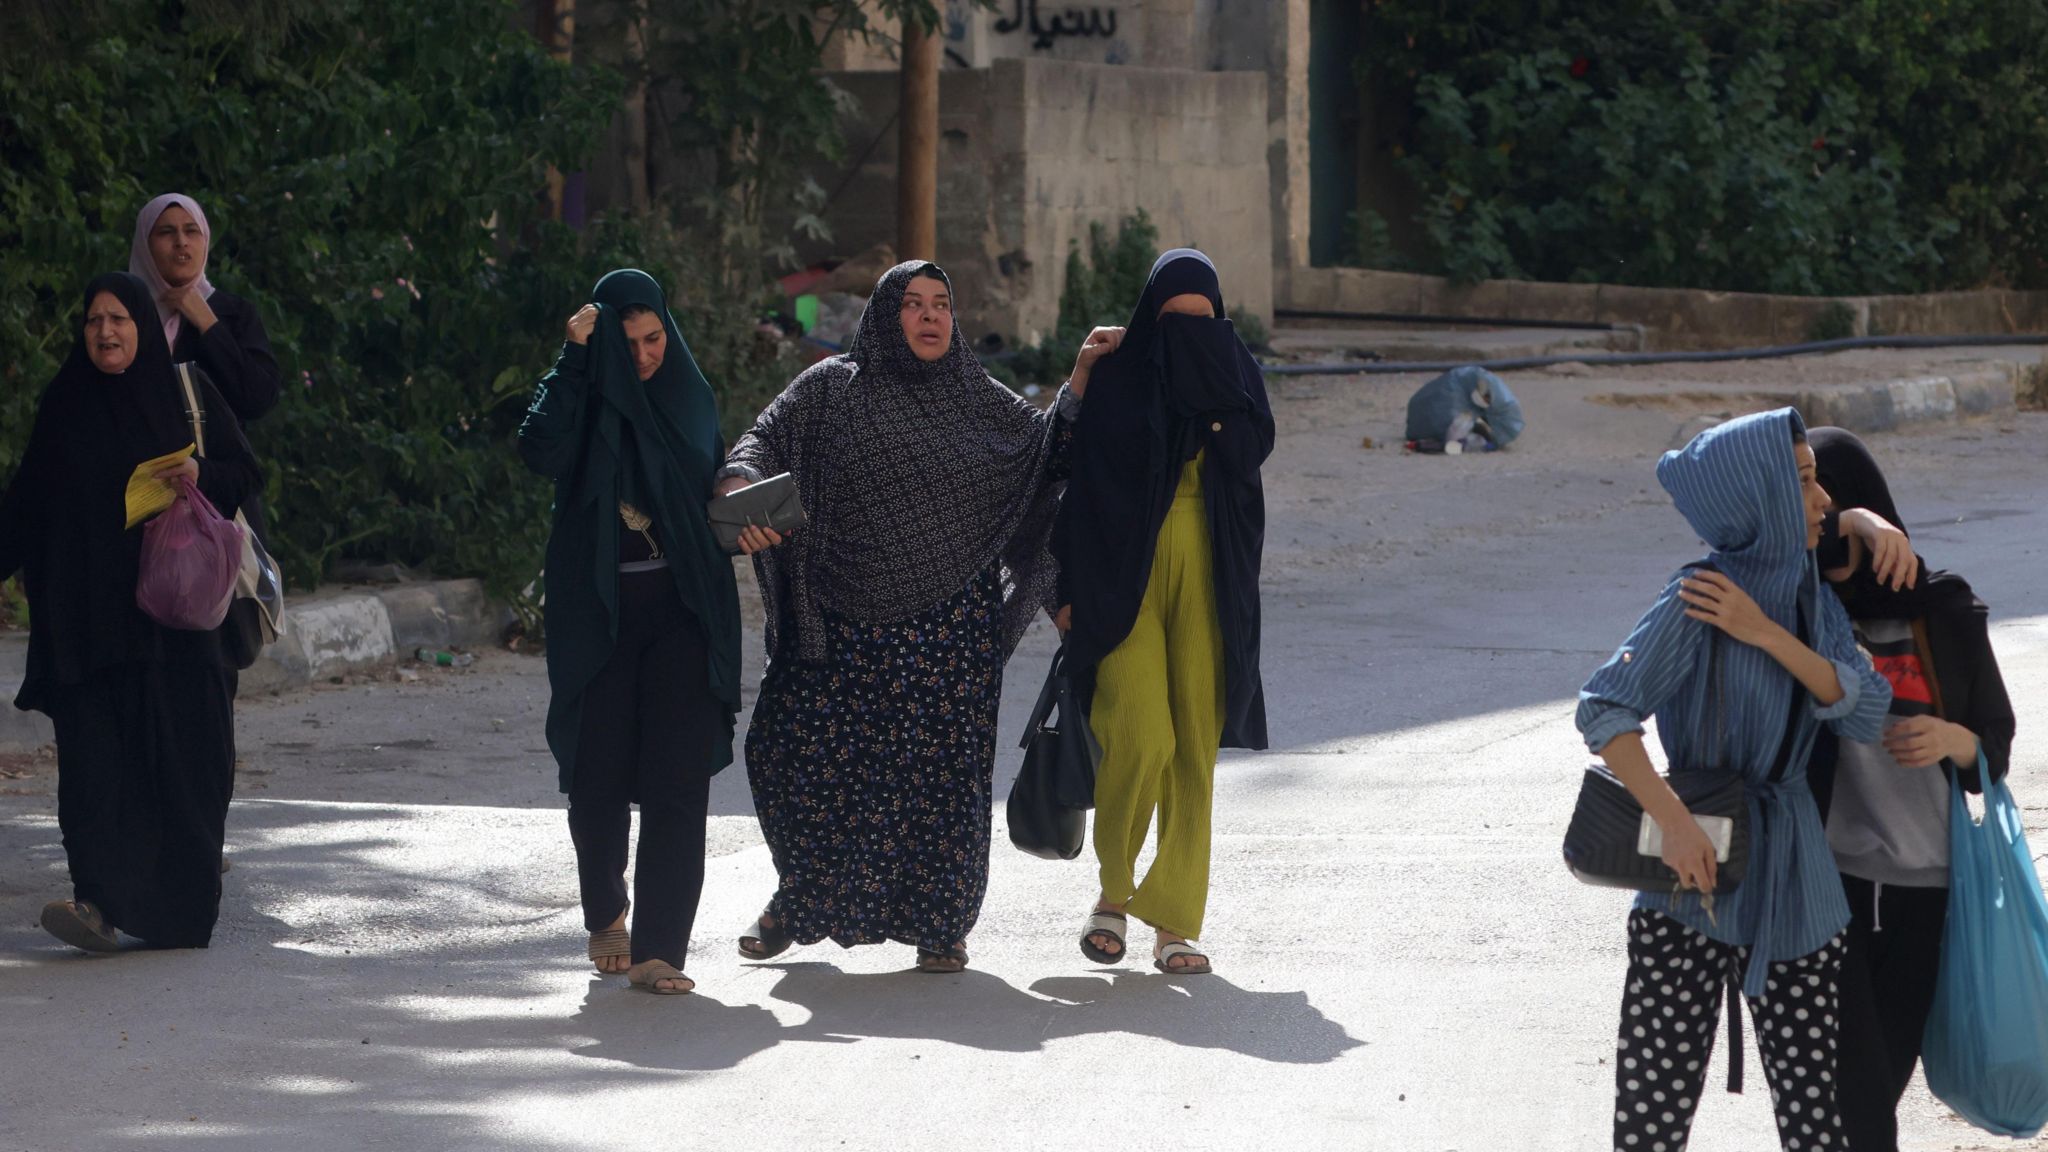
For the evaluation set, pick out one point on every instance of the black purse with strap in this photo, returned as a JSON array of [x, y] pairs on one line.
[[1612, 843], [1049, 801]]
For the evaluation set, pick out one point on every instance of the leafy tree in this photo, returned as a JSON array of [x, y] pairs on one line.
[[1806, 146], [372, 171]]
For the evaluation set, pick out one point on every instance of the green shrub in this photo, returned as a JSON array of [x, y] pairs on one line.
[[372, 179], [1250, 329], [1369, 242], [1100, 290], [1837, 321], [1803, 146]]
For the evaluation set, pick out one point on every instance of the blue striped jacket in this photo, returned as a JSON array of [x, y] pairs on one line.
[[1738, 485]]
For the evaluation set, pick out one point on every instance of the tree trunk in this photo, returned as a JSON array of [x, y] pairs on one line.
[[917, 179]]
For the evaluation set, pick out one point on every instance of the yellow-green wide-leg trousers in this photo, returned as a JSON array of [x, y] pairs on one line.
[[1158, 713]]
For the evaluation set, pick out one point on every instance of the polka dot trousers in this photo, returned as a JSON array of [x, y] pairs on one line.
[[1669, 1014]]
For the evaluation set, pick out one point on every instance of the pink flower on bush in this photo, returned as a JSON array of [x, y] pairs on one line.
[[376, 293]]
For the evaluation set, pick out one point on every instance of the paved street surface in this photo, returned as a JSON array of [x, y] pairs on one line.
[[1403, 962]]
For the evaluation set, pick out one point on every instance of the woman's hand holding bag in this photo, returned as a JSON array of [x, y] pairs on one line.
[[191, 555]]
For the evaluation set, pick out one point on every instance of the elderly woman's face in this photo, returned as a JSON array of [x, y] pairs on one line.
[[110, 335], [178, 246], [928, 317]]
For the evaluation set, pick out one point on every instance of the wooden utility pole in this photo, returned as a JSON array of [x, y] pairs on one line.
[[557, 19], [917, 175], [637, 185]]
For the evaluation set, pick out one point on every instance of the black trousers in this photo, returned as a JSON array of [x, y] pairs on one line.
[[648, 720], [1670, 1012], [145, 771], [1888, 979]]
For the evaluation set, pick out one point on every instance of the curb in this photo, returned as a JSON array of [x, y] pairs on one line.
[[327, 633], [1888, 405], [1985, 388]]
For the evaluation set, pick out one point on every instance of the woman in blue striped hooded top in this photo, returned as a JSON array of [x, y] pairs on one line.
[[1788, 663]]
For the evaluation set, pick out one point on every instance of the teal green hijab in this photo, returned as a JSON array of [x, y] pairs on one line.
[[656, 444]]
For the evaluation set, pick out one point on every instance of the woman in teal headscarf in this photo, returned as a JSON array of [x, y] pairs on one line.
[[642, 618]]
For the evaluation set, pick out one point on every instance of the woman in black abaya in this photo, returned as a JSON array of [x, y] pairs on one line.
[[145, 730], [1159, 540]]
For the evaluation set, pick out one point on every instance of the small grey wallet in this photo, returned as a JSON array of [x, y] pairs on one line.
[[770, 504]]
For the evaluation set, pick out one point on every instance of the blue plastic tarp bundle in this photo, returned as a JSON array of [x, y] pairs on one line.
[[1465, 390], [1986, 1053]]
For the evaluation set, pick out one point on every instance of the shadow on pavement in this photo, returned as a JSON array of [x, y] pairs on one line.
[[693, 1033], [978, 1010]]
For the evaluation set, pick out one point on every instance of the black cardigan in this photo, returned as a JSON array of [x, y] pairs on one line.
[[235, 353], [1972, 690]]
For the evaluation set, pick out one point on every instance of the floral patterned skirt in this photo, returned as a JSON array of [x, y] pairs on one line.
[[872, 775]]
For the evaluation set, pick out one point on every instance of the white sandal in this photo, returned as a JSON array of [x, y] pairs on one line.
[[1112, 925], [1164, 954]]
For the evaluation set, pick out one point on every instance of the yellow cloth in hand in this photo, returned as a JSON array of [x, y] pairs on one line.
[[148, 495]]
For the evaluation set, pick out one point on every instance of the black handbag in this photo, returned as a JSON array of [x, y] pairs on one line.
[[1050, 798], [1609, 843]]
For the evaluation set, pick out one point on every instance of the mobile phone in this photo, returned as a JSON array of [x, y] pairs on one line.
[[1720, 832]]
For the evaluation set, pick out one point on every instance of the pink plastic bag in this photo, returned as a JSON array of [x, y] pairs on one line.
[[190, 556]]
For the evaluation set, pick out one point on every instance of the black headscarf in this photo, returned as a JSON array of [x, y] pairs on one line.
[[1176, 385], [655, 444], [915, 477], [67, 502], [1957, 623]]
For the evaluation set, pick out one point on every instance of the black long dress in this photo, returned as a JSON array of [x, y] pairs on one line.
[[144, 715]]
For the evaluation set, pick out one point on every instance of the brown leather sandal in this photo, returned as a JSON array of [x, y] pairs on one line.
[[952, 960], [648, 975], [609, 943], [80, 925]]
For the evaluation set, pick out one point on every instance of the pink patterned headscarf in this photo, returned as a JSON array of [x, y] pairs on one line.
[[142, 263]]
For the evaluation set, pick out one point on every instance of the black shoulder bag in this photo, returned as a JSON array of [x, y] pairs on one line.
[[1049, 801], [1613, 843]]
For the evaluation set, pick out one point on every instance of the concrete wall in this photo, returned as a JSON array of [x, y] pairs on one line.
[[1033, 151], [1192, 34], [1099, 143], [1674, 318]]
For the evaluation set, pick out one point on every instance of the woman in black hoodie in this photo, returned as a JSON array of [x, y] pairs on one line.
[[1886, 809]]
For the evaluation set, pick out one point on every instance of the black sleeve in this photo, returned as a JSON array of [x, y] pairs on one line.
[[1833, 550], [228, 473], [1972, 687], [21, 506], [236, 353], [548, 437]]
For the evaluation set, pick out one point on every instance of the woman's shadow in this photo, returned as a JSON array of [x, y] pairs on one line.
[[693, 1033], [978, 1010]]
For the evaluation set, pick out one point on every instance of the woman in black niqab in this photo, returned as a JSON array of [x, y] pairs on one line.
[[143, 713], [1159, 540]]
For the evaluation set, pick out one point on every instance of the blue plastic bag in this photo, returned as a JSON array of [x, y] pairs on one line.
[[1470, 389], [1986, 1050]]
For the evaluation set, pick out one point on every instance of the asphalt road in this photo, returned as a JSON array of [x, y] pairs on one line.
[[1403, 962]]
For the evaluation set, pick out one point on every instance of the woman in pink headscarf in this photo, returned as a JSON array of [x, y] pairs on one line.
[[218, 330]]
